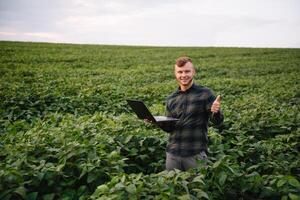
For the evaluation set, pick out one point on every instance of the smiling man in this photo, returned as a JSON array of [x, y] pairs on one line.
[[194, 106]]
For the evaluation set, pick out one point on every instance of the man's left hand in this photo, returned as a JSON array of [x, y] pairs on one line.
[[216, 105]]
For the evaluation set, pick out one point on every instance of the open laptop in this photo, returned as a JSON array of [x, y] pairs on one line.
[[143, 112]]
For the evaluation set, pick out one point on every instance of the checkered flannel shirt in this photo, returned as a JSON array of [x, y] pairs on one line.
[[188, 136]]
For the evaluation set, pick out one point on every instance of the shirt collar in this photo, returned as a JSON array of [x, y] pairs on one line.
[[179, 91]]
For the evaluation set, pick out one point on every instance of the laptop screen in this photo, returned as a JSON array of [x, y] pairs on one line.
[[141, 110]]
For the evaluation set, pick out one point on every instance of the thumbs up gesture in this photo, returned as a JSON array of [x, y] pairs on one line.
[[216, 105]]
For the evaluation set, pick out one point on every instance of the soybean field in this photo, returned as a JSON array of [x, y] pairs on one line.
[[66, 131]]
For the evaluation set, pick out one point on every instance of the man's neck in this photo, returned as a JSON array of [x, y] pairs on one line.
[[185, 88]]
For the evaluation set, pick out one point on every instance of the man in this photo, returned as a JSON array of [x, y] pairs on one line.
[[194, 106]]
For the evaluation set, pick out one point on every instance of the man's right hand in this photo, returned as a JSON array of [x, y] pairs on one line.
[[148, 121]]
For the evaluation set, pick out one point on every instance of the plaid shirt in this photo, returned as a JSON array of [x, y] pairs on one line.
[[188, 137]]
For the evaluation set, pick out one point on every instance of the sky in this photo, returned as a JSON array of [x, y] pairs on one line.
[[220, 23]]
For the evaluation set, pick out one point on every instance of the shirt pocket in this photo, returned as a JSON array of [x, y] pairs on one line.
[[197, 107]]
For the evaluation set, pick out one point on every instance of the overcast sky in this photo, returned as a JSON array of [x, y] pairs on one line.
[[242, 23]]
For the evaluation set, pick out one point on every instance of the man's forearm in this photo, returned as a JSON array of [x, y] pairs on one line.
[[217, 118]]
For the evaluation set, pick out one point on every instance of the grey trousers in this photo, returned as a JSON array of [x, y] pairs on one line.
[[183, 163]]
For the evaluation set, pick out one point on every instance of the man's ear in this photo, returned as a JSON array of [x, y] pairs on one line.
[[195, 71], [195, 75], [175, 69]]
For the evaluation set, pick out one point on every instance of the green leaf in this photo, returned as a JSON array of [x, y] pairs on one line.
[[21, 191], [113, 154], [139, 176], [184, 197], [144, 157], [228, 167], [49, 196], [267, 192], [216, 164], [32, 196], [252, 167], [294, 182], [201, 193], [119, 186], [199, 179], [284, 197], [68, 194], [294, 196], [131, 189], [91, 177], [281, 182], [101, 189], [123, 179], [60, 167], [128, 138], [222, 178], [240, 153], [82, 190]]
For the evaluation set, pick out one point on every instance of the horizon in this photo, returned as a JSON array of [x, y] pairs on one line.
[[154, 46]]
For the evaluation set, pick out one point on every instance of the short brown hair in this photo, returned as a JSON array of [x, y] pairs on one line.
[[181, 61]]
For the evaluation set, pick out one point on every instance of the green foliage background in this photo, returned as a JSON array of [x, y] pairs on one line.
[[67, 133]]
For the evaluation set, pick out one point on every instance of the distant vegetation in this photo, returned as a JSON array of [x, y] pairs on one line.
[[67, 133]]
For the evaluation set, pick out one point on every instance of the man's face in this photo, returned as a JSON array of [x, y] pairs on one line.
[[184, 75]]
